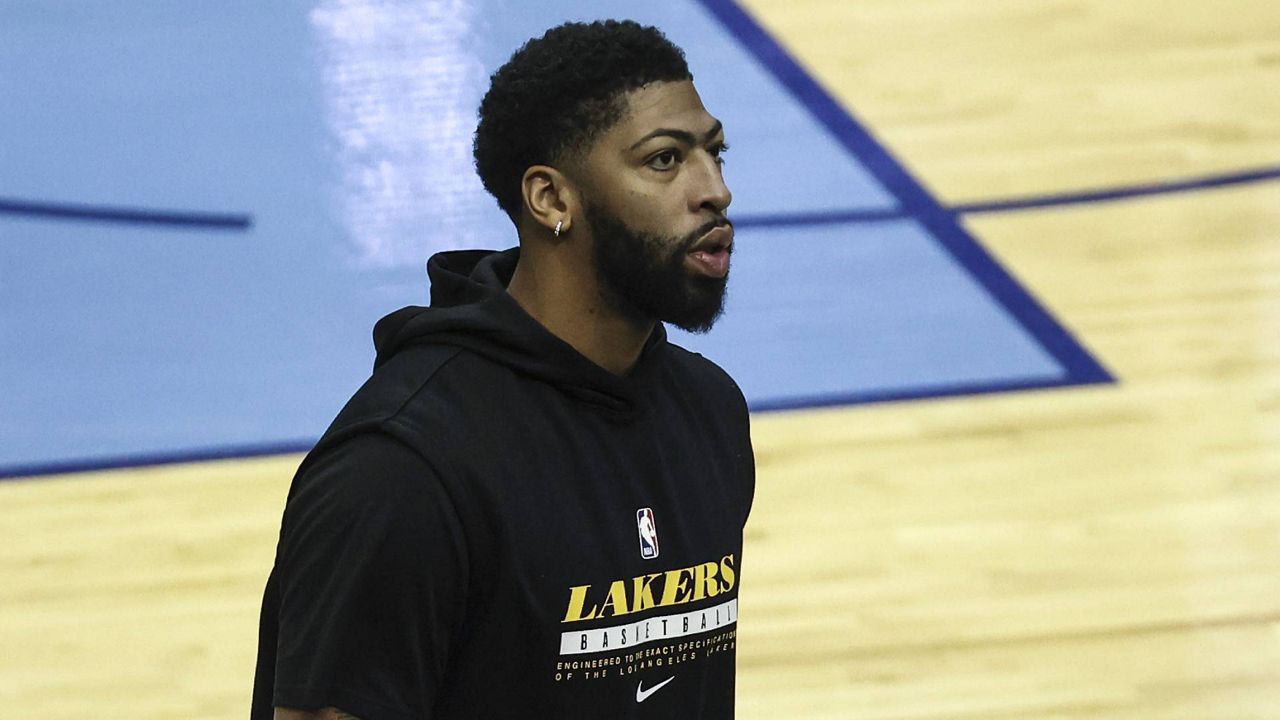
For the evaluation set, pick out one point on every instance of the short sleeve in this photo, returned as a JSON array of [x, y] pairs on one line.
[[369, 584]]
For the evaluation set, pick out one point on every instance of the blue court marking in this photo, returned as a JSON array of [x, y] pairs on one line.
[[243, 221], [230, 452], [1034, 202], [132, 216], [838, 217], [1030, 202], [806, 402], [1081, 367]]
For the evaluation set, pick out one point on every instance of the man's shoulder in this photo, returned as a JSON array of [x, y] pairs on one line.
[[702, 372], [698, 365], [420, 389], [408, 374]]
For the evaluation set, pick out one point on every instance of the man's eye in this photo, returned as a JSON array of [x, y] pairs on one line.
[[665, 160], [718, 152]]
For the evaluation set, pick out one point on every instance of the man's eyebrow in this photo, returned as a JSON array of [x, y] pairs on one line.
[[683, 136]]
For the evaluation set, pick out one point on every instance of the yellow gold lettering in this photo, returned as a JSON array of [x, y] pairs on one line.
[[727, 575], [705, 583], [674, 583], [679, 586], [577, 601], [617, 600], [643, 593]]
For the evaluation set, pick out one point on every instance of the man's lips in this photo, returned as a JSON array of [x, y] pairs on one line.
[[716, 239], [711, 253]]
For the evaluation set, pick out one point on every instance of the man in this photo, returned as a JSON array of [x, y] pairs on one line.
[[534, 507]]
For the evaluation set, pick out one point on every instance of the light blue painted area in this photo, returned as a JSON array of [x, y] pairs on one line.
[[865, 309], [343, 128], [155, 103]]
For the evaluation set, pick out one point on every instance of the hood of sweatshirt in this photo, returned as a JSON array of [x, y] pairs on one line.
[[470, 309]]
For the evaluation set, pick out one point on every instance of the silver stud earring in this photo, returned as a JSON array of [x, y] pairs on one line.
[[558, 224]]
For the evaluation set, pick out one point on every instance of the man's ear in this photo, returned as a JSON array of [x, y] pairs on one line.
[[552, 199]]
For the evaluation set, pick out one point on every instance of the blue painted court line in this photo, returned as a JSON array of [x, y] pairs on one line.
[[1029, 202], [1081, 367], [20, 472], [1119, 193], [132, 216], [818, 218], [244, 221], [298, 447], [863, 398]]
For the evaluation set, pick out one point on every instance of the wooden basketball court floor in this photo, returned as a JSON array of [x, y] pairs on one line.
[[1106, 552]]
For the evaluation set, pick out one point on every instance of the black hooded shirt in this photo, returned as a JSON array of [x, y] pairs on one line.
[[496, 527]]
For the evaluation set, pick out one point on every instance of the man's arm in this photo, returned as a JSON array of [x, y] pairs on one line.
[[369, 586], [329, 713]]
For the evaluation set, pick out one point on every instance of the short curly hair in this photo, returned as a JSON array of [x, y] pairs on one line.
[[557, 93]]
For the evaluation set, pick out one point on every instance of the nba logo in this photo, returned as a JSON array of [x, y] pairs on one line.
[[648, 533]]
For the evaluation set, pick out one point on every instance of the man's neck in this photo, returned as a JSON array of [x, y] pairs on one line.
[[568, 302]]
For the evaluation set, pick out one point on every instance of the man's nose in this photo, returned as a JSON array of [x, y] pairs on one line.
[[713, 193]]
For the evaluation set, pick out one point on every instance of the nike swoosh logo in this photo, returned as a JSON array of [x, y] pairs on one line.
[[642, 694]]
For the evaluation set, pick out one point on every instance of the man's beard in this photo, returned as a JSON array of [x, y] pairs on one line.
[[644, 276]]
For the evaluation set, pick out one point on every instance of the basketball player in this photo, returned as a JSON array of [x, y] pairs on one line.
[[534, 507]]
